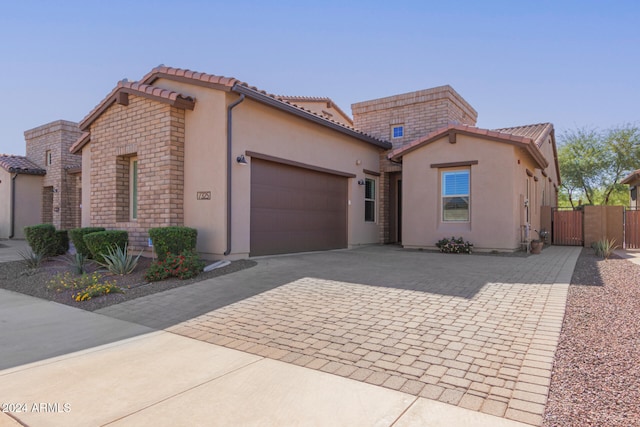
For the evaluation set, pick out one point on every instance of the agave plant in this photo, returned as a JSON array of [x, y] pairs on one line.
[[119, 261], [605, 247], [31, 259], [78, 262]]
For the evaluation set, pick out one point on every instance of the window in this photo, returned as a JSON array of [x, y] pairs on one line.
[[48, 158], [133, 188], [455, 196], [397, 131], [369, 200]]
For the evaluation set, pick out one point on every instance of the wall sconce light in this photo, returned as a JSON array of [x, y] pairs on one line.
[[241, 160], [55, 190], [361, 182]]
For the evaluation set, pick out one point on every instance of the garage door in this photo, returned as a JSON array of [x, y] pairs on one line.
[[295, 209]]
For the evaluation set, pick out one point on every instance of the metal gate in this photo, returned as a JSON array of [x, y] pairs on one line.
[[631, 229], [568, 227]]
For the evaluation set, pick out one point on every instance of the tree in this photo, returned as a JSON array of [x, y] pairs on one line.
[[592, 163]]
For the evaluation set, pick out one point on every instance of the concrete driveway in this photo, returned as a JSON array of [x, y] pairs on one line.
[[410, 334]]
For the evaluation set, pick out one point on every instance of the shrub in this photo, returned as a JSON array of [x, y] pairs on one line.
[[604, 248], [184, 266], [173, 240], [454, 246], [77, 237], [63, 242], [31, 259], [78, 262], [100, 242], [118, 261], [42, 239]]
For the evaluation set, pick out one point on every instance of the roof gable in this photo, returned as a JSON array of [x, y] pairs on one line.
[[633, 176], [20, 164], [491, 135]]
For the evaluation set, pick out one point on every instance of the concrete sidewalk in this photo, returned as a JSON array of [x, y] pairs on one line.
[[10, 249], [163, 379]]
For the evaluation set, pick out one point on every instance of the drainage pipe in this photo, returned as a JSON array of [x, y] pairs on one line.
[[229, 165], [13, 205]]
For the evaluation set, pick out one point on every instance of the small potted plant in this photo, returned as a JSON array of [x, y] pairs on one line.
[[537, 244]]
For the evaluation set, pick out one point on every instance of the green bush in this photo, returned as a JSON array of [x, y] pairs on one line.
[[454, 246], [100, 242], [184, 266], [63, 242], [173, 240], [77, 237], [42, 239]]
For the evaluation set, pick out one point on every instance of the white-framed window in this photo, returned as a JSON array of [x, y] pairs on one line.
[[455, 195], [370, 200], [397, 131], [48, 158], [133, 188]]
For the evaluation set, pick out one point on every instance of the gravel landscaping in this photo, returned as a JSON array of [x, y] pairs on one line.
[[14, 276], [596, 375]]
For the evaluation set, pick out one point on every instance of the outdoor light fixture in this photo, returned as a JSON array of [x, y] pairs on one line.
[[241, 160], [361, 182]]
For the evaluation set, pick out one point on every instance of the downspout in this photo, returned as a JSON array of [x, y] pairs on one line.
[[229, 165], [13, 205]]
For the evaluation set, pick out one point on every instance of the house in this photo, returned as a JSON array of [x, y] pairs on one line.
[[43, 186], [632, 180], [261, 174]]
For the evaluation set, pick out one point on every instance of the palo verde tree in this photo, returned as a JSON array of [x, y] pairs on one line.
[[593, 162]]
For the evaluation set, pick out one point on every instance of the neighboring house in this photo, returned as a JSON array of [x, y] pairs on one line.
[[20, 194], [45, 183], [486, 186], [633, 180], [261, 174]]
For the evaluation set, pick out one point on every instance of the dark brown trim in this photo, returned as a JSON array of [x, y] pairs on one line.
[[297, 164], [550, 179], [454, 164], [370, 172], [529, 173], [544, 173], [123, 98], [535, 178]]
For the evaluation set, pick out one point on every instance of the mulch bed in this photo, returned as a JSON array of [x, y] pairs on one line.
[[14, 276], [596, 375]]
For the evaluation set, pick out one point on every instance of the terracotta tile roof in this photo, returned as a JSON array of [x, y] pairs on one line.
[[192, 77], [20, 164], [139, 89], [329, 101], [635, 175], [525, 142], [81, 142], [537, 132]]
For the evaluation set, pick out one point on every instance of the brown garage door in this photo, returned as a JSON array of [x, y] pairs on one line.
[[295, 209]]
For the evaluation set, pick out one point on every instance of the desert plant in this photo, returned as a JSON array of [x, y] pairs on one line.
[[42, 239], [31, 259], [605, 247], [100, 242], [118, 261], [96, 290], [454, 246], [77, 237], [184, 266], [78, 262], [173, 240]]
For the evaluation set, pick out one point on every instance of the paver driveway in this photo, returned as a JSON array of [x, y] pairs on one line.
[[476, 331]]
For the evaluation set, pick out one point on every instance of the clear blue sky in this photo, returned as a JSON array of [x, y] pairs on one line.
[[573, 63]]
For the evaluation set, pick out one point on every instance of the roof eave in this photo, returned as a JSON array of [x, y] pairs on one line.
[[291, 109]]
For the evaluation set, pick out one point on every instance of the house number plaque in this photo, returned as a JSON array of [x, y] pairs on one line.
[[204, 195]]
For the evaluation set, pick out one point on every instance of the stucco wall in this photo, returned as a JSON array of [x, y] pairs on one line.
[[5, 203], [28, 206], [494, 223]]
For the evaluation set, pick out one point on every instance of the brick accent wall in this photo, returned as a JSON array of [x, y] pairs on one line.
[[154, 132], [57, 137], [419, 113]]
